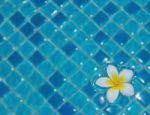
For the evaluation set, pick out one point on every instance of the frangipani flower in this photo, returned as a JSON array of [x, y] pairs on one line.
[[116, 82]]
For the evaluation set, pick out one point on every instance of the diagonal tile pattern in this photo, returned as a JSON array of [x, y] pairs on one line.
[[51, 51]]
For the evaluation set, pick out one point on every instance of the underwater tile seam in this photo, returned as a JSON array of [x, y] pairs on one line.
[[74, 57]]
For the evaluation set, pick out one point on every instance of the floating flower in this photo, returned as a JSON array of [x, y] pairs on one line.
[[117, 82]]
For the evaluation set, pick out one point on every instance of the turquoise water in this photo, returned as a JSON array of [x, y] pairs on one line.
[[53, 51]]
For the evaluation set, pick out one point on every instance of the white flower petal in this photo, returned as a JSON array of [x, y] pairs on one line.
[[128, 90], [111, 70], [112, 95], [102, 82], [127, 74]]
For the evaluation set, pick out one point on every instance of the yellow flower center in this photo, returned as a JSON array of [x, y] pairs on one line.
[[116, 82]]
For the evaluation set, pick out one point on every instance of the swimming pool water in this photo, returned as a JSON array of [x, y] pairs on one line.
[[53, 51]]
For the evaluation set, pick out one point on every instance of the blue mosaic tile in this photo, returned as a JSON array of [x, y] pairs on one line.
[[100, 100], [1, 38], [100, 18], [57, 79], [58, 58], [5, 69], [26, 49], [142, 37], [12, 101], [101, 3], [66, 108], [16, 2], [37, 38], [88, 89], [27, 9], [110, 8], [80, 3], [79, 100], [133, 108], [87, 49], [7, 9], [100, 37], [1, 18], [79, 57], [25, 68], [17, 19], [15, 59], [53, 51], [148, 46], [111, 28], [132, 27], [17, 39], [35, 100], [67, 90], [55, 100], [38, 19], [147, 6], [13, 79], [79, 76], [69, 48], [46, 72], [121, 18], [143, 56], [100, 57], [148, 26], [59, 19], [90, 28], [59, 3], [121, 37], [46, 90], [47, 29], [143, 76], [49, 9], [123, 100], [36, 58], [132, 8], [7, 29], [6, 49], [24, 89], [110, 47], [36, 79], [38, 3], [3, 89], [69, 28], [79, 19], [69, 69], [23, 109], [142, 17], [112, 110], [143, 98], [27, 29], [56, 39], [89, 109], [88, 68], [70, 9], [90, 9], [121, 57], [45, 109], [132, 47], [122, 3]]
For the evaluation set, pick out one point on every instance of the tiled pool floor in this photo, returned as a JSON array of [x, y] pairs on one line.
[[52, 52]]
